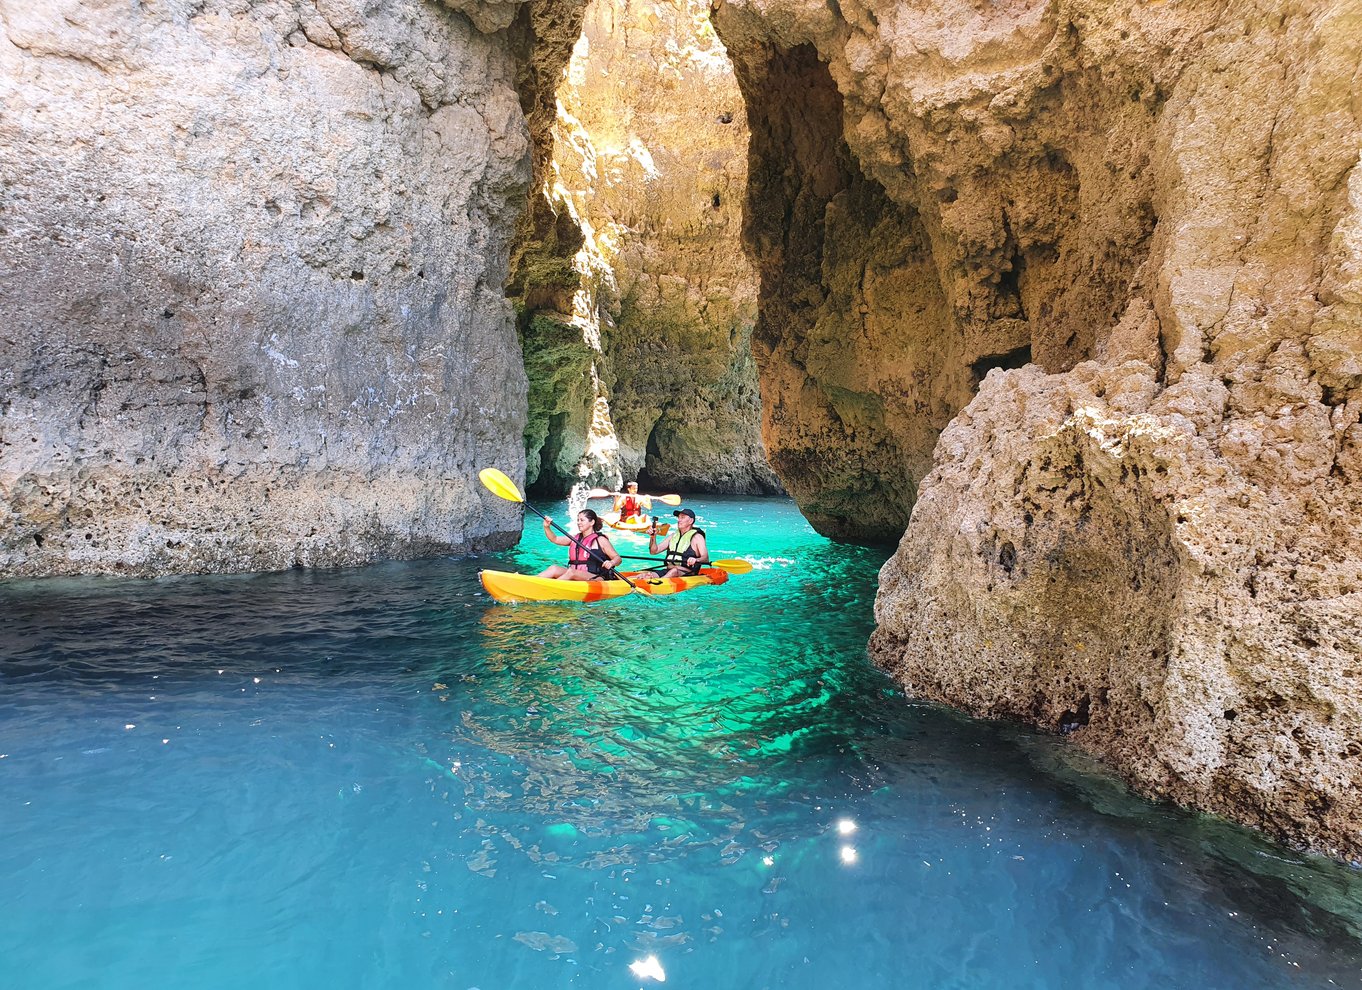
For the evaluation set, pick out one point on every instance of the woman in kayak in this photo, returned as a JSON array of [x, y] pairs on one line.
[[590, 555], [632, 507]]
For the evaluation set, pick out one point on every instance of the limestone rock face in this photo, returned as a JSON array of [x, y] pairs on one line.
[[638, 294], [1121, 244], [1085, 559], [252, 257]]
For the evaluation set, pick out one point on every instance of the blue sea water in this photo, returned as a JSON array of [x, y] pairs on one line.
[[377, 777]]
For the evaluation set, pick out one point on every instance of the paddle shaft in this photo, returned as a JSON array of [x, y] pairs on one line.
[[669, 499], [663, 560]]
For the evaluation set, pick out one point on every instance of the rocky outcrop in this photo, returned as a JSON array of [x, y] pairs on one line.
[[252, 260], [637, 300], [1085, 559], [1133, 230]]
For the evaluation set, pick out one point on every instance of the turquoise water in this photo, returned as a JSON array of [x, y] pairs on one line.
[[378, 778]]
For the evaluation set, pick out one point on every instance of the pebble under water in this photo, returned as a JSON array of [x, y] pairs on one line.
[[378, 777]]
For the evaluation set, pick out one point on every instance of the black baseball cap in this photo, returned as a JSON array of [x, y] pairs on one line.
[[685, 512]]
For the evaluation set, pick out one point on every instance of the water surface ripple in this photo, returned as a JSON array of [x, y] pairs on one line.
[[377, 777]]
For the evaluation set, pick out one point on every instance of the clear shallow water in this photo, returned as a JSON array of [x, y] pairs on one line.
[[378, 777]]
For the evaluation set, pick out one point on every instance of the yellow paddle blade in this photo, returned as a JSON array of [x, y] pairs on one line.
[[667, 499], [500, 485], [734, 565], [599, 493]]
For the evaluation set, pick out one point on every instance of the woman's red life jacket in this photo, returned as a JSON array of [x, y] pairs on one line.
[[579, 559]]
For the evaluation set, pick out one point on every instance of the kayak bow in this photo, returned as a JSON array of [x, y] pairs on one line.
[[506, 586]]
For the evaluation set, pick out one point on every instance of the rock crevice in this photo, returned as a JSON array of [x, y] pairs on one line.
[[634, 266]]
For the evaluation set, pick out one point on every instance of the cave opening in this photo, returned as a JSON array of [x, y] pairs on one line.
[[1017, 357], [678, 238]]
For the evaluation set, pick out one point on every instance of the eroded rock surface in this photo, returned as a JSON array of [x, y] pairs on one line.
[[639, 302], [252, 258], [1143, 528]]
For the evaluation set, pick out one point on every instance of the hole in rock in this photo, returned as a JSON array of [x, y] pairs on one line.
[[1018, 357], [1073, 720], [630, 345]]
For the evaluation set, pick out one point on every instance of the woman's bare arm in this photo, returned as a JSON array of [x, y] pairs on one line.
[[612, 558], [562, 541]]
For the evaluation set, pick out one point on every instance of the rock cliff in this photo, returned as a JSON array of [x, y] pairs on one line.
[[638, 302], [1114, 252], [252, 257]]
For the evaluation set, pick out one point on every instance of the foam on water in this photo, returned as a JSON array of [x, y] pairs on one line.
[[378, 777]]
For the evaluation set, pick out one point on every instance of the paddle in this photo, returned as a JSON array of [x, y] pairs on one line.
[[733, 565], [501, 486], [666, 499]]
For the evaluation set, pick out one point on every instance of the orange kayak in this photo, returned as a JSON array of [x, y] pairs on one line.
[[506, 586], [635, 524]]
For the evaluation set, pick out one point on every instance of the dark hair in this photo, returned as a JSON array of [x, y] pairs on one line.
[[595, 519]]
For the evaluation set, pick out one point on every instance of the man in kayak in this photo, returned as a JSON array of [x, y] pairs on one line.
[[631, 506], [686, 551], [590, 556]]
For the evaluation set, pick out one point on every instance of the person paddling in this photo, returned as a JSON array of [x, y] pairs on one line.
[[590, 556], [686, 551], [632, 506]]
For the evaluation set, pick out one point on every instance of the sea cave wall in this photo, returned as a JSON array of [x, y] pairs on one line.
[[1066, 295], [252, 268]]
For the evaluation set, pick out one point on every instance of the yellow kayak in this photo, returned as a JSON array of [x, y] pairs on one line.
[[506, 586], [635, 524]]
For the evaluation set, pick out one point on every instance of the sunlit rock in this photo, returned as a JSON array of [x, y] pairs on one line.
[[638, 302]]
